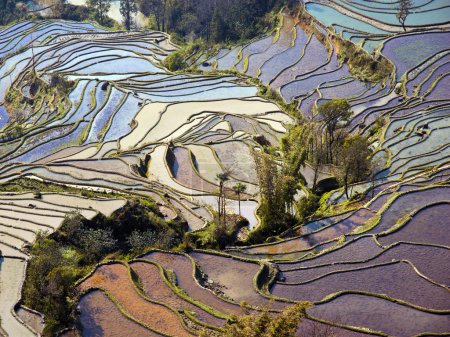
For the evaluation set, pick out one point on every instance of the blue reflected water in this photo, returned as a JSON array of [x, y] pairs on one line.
[[4, 117]]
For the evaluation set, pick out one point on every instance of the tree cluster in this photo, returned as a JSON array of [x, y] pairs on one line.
[[14, 10], [128, 8], [324, 141], [277, 190], [65, 256], [135, 227], [319, 143], [11, 10], [212, 20], [100, 8]]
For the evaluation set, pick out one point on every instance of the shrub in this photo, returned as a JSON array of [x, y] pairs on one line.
[[175, 61], [265, 323], [307, 206], [96, 242], [50, 278]]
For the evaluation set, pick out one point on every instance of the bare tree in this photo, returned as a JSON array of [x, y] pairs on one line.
[[403, 10]]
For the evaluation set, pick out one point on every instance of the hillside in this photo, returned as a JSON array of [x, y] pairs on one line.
[[91, 119]]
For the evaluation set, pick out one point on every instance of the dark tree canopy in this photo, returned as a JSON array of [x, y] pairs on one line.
[[101, 8], [128, 8], [211, 20]]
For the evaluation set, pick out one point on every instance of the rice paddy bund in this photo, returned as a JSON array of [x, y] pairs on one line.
[[128, 125]]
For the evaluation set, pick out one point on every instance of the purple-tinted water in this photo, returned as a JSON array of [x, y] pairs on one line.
[[4, 117], [283, 60], [407, 51]]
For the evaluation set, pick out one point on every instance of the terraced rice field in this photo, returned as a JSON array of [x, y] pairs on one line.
[[130, 126], [402, 225], [97, 314], [141, 107], [21, 217]]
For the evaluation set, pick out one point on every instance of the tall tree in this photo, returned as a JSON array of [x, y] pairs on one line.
[[316, 152], [101, 8], [354, 161], [239, 188], [218, 27], [128, 8], [276, 190], [222, 178], [403, 10], [304, 144], [155, 8], [333, 113]]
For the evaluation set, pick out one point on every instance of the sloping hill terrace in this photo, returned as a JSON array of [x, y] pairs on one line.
[[128, 125]]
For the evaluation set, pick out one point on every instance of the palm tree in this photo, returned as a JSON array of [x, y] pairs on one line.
[[222, 178], [239, 189]]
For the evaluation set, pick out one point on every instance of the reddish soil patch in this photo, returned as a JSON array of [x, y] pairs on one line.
[[115, 279], [100, 317]]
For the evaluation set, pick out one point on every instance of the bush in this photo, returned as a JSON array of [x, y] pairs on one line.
[[175, 61], [138, 241], [265, 323], [51, 275], [96, 242], [306, 206], [136, 226], [215, 235]]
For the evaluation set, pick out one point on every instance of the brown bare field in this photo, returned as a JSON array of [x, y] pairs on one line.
[[115, 279], [100, 317]]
